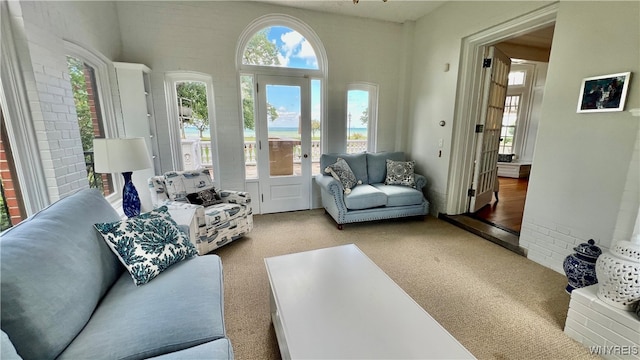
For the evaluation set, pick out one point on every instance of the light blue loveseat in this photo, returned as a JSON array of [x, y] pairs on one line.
[[65, 295], [372, 199]]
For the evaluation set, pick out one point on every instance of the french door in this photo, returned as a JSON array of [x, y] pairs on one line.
[[494, 94], [284, 143]]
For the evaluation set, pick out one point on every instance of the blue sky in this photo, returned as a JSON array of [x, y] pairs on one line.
[[296, 52]]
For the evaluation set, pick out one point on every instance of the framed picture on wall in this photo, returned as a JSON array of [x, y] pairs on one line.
[[604, 93]]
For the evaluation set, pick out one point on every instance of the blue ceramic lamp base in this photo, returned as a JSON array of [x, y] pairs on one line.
[[130, 199]]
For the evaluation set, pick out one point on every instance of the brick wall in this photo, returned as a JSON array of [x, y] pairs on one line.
[[11, 190]]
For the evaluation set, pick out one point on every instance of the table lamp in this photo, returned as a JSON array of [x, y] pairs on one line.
[[122, 155]]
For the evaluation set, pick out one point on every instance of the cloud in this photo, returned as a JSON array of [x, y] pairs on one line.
[[294, 45]]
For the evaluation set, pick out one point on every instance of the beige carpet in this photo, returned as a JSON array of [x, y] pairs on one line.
[[499, 305]]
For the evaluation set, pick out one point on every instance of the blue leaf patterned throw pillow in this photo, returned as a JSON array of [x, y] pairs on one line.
[[147, 244], [400, 173], [342, 172]]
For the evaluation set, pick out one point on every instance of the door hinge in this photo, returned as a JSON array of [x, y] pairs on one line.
[[479, 128], [486, 63], [259, 144], [257, 87], [471, 192], [262, 197]]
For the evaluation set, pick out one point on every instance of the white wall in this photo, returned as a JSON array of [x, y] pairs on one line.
[[537, 95], [582, 161], [202, 37], [437, 42], [40, 29]]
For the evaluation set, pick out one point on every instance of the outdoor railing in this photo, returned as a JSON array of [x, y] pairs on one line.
[[250, 151]]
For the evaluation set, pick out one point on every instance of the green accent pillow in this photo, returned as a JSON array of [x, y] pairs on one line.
[[147, 244], [400, 173]]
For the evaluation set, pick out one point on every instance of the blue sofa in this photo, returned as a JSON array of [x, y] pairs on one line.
[[371, 199], [64, 294]]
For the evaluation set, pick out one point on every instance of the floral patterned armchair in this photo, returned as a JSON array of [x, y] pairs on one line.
[[221, 216]]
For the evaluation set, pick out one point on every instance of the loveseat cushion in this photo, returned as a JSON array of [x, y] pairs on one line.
[[181, 308], [399, 195], [357, 163], [377, 165], [218, 349], [55, 269], [365, 197]]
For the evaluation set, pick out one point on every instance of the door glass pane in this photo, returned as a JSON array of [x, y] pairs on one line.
[[284, 129], [316, 125], [357, 120], [249, 125]]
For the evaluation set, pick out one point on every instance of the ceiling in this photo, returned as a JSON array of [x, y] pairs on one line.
[[540, 38], [393, 10]]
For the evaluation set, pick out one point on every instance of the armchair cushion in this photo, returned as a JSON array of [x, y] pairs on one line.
[[179, 184]]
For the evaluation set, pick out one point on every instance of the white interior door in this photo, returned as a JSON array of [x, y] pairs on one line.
[[496, 79], [284, 143]]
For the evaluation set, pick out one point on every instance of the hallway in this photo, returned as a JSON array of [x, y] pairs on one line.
[[506, 214], [499, 222]]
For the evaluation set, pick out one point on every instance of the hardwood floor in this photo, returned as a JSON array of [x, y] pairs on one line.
[[507, 212]]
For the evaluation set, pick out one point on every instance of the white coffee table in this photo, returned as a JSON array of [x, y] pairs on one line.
[[335, 303]]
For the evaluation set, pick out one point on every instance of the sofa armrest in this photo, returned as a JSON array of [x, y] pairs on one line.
[[421, 181], [235, 197], [331, 185]]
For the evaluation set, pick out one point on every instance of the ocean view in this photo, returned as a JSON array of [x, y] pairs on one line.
[[284, 132]]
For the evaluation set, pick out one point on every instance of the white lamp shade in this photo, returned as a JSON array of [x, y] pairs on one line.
[[120, 155]]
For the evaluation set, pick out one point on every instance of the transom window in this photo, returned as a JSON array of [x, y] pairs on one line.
[[280, 46]]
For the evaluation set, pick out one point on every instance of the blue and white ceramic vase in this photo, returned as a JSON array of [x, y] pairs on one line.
[[130, 199], [581, 266]]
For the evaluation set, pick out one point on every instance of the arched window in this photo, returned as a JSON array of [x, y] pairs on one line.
[[280, 45], [191, 114], [89, 78]]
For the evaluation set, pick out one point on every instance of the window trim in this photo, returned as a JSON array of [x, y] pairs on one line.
[[524, 106], [103, 70], [19, 123], [170, 80], [372, 125]]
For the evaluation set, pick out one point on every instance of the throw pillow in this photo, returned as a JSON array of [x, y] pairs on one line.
[[147, 244], [400, 173], [205, 197], [341, 171]]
